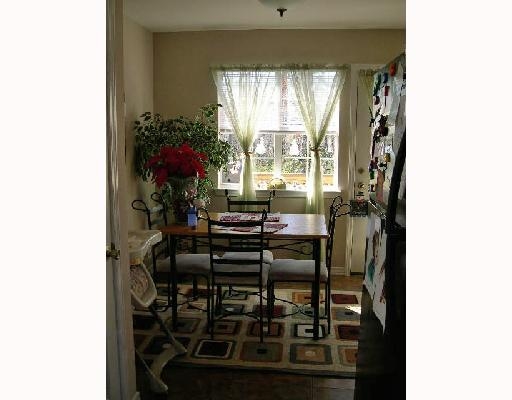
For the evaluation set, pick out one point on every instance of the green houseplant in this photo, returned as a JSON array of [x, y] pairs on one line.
[[153, 132]]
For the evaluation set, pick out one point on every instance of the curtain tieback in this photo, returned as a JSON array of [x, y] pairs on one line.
[[247, 153], [314, 150]]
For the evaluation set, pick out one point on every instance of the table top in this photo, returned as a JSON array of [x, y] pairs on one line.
[[299, 226]]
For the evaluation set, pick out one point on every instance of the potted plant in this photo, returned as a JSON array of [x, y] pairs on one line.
[[153, 133], [178, 169]]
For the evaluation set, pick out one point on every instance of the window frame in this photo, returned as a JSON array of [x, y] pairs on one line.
[[334, 188]]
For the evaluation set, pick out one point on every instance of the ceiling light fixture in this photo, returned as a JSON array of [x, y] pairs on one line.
[[280, 5]]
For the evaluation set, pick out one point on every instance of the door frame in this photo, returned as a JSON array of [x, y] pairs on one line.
[[358, 160], [120, 351]]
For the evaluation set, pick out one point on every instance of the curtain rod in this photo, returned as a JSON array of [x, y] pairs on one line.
[[277, 66]]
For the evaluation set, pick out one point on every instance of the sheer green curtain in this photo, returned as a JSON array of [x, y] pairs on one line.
[[244, 93], [317, 91]]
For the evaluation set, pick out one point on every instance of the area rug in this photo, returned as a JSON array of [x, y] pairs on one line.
[[288, 348]]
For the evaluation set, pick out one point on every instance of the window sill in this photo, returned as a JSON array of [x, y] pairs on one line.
[[279, 193]]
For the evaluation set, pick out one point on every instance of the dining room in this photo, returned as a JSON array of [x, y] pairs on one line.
[[173, 78]]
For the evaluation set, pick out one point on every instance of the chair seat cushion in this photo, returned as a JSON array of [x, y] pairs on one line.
[[195, 264], [241, 280], [268, 257], [286, 269]]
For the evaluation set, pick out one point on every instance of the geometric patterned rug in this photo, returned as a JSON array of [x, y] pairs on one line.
[[288, 348]]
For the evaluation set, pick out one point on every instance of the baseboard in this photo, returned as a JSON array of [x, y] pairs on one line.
[[338, 271]]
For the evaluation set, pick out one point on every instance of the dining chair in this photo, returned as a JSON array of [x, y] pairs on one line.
[[293, 270], [255, 206], [245, 271], [155, 217], [249, 206], [192, 264]]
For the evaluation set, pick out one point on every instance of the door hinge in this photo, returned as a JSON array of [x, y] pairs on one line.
[[113, 252]]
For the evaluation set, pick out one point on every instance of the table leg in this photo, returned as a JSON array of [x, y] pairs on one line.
[[316, 292], [195, 292], [173, 289]]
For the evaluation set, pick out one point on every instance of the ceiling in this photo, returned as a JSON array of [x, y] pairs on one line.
[[202, 15]]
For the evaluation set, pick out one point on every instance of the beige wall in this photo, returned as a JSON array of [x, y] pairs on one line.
[[138, 85], [182, 59], [183, 83]]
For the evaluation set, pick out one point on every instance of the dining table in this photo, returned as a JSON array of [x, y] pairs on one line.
[[295, 227]]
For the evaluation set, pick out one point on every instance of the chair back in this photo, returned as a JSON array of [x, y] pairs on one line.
[[162, 216], [253, 206], [156, 217], [224, 236], [336, 209]]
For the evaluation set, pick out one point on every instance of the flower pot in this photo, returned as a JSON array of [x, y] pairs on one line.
[[180, 208], [183, 193]]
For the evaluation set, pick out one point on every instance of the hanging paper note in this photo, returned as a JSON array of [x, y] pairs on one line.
[[395, 104], [400, 74], [392, 69]]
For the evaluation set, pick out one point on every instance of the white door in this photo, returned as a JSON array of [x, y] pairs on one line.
[[113, 363], [120, 357]]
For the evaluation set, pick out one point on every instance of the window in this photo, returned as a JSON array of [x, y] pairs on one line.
[[281, 148]]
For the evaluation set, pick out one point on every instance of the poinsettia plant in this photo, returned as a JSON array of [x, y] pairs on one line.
[[176, 162], [152, 132]]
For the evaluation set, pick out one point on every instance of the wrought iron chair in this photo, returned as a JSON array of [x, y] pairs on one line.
[[155, 217], [193, 264], [256, 206], [249, 206], [237, 271], [292, 270]]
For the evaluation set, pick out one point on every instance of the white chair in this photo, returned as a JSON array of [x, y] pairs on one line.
[[143, 295]]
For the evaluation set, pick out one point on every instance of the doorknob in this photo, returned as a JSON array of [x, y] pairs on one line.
[[113, 252]]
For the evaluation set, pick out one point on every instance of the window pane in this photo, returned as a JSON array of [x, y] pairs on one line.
[[264, 145], [295, 145], [328, 146], [294, 165], [327, 167], [264, 165], [264, 172], [231, 173], [294, 173], [233, 141]]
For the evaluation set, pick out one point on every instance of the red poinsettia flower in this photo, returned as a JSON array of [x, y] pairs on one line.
[[181, 162]]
